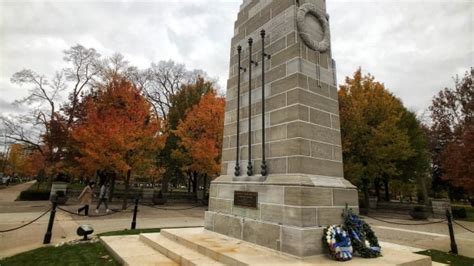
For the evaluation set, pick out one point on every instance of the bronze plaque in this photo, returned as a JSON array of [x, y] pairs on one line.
[[245, 199]]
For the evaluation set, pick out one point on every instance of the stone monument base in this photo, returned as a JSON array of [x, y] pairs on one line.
[[290, 210], [197, 246]]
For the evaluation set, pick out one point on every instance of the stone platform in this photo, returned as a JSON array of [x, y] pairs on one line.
[[197, 246]]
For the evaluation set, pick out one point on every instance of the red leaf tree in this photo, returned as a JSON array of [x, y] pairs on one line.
[[119, 132], [201, 134]]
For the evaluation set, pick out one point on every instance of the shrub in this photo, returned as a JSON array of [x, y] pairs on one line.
[[419, 213], [418, 209], [34, 195], [459, 212]]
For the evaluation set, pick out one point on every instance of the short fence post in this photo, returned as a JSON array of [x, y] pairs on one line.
[[134, 220], [47, 236], [454, 247]]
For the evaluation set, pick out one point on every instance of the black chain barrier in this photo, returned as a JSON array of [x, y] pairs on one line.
[[172, 209], [462, 226], [95, 215], [24, 225], [390, 222]]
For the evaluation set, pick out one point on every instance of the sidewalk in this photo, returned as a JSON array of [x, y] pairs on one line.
[[432, 236], [66, 224], [9, 194]]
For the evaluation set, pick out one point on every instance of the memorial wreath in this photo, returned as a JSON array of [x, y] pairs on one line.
[[338, 242], [364, 241], [354, 235]]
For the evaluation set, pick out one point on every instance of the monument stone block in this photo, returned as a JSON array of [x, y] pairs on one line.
[[294, 165]]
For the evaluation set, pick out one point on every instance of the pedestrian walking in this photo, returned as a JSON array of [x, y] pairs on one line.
[[103, 197], [86, 198]]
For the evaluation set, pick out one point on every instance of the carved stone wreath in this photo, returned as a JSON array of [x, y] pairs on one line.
[[303, 28]]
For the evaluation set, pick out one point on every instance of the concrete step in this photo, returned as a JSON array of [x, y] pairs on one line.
[[227, 250], [231, 251], [197, 246], [129, 250], [175, 251]]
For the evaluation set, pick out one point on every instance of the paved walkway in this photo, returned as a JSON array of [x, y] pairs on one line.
[[9, 194], [13, 214], [432, 236]]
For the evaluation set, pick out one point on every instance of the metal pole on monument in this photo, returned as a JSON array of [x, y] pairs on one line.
[[239, 68], [264, 56], [249, 165]]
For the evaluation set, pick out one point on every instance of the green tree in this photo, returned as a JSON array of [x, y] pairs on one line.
[[373, 142], [416, 168]]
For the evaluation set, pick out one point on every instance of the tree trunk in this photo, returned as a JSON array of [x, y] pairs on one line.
[[205, 186], [387, 192], [422, 188], [377, 188], [365, 187], [189, 184], [112, 187], [127, 188], [195, 182], [164, 184]]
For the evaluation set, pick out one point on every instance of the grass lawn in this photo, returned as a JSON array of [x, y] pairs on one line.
[[447, 258], [80, 254], [39, 186]]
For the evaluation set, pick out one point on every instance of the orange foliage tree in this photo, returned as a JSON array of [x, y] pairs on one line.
[[119, 132], [200, 135]]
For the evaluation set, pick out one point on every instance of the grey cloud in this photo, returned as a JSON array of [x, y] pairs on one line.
[[414, 47], [9, 107]]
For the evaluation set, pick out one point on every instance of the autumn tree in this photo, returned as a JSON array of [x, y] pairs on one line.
[[188, 96], [373, 142], [200, 138], [451, 134], [119, 131]]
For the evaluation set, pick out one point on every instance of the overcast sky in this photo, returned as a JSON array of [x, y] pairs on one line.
[[414, 47]]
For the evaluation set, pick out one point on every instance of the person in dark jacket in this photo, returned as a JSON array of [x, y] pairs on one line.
[[103, 197]]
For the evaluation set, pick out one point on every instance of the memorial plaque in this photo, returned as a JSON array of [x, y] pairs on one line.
[[245, 199]]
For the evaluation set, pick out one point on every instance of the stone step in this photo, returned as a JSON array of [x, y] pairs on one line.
[[197, 246], [129, 250], [175, 251], [231, 251], [227, 250]]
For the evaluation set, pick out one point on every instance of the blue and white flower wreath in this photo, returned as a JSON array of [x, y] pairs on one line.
[[363, 238], [338, 242]]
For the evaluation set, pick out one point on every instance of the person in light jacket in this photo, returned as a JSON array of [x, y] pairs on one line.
[[86, 198], [103, 197]]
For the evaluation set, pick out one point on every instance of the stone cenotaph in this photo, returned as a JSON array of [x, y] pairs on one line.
[[282, 176]]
